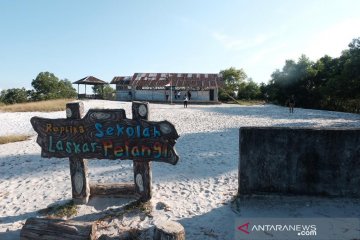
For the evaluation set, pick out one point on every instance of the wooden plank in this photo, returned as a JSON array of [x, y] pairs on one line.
[[142, 170], [57, 229], [78, 166], [113, 189]]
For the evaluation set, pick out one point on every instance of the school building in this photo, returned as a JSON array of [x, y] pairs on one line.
[[170, 87]]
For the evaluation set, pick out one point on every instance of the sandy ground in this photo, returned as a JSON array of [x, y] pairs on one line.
[[198, 190]]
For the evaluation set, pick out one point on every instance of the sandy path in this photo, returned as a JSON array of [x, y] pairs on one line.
[[197, 190]]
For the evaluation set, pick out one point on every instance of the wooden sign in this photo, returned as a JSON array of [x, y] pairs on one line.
[[107, 134]]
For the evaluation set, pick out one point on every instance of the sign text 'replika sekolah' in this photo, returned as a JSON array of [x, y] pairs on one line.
[[107, 134]]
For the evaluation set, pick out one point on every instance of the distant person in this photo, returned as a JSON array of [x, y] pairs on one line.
[[189, 95], [175, 94], [167, 96], [179, 94], [185, 101], [291, 102]]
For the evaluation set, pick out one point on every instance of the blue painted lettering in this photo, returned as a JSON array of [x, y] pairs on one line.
[[68, 147], [120, 130], [76, 147], [156, 132], [130, 132], [146, 132], [110, 131], [100, 132], [50, 144]]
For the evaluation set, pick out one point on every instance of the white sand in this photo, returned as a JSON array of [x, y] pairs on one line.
[[198, 190]]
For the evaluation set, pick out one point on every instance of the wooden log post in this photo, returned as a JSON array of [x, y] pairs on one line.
[[57, 229], [113, 189], [78, 166], [170, 230], [142, 170]]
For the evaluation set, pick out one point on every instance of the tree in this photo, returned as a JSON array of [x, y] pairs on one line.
[[329, 83], [296, 78], [232, 82], [45, 85], [14, 95], [104, 91], [249, 90], [65, 89], [48, 86], [108, 92], [2, 95]]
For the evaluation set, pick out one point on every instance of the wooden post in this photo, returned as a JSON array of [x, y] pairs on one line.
[[170, 230], [78, 166], [142, 170], [57, 229], [113, 189]]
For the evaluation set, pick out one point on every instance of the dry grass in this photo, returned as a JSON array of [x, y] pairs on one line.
[[67, 209], [13, 138], [247, 102], [42, 106]]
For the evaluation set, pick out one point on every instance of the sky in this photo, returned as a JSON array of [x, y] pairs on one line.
[[108, 38]]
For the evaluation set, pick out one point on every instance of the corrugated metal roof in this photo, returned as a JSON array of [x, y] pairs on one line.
[[187, 80], [121, 80], [90, 80]]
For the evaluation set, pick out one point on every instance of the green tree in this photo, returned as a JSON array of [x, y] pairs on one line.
[[108, 92], [233, 78], [249, 90], [14, 95], [66, 90], [45, 85], [329, 83], [104, 91], [296, 78], [48, 86], [2, 95]]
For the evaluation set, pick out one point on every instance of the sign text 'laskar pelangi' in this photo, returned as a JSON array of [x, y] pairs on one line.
[[107, 134]]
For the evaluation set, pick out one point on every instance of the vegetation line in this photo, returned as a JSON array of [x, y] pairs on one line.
[[13, 138], [41, 106]]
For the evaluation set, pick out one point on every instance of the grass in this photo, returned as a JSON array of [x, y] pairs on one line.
[[13, 138], [59, 211], [144, 207], [133, 207], [247, 102], [41, 106]]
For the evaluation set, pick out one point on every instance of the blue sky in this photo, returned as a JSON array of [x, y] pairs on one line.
[[74, 39]]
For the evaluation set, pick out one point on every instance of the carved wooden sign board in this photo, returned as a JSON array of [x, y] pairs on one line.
[[107, 134]]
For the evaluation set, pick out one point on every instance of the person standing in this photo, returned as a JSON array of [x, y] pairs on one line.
[[185, 101], [189, 94], [291, 104], [167, 95]]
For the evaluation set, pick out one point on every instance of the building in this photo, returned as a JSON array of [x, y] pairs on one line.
[[171, 87]]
